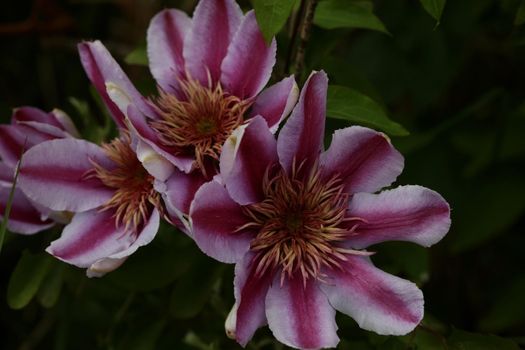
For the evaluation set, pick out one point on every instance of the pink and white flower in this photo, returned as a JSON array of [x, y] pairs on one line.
[[29, 126], [296, 219], [210, 71]]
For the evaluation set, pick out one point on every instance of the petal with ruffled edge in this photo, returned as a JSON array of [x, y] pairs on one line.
[[23, 218], [248, 64], [165, 38], [301, 138], [215, 219], [246, 156], [250, 295], [102, 69], [213, 27], [54, 173], [376, 300], [299, 315], [276, 102], [406, 213], [363, 158], [90, 237]]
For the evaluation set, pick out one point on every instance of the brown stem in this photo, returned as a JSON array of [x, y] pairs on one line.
[[304, 37], [296, 22]]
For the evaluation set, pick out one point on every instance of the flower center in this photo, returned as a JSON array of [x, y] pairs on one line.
[[199, 120], [134, 195], [300, 224]]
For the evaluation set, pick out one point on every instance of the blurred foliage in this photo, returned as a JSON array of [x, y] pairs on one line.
[[458, 87]]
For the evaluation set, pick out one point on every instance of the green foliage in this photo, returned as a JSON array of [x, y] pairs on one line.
[[461, 340], [138, 57], [332, 14], [347, 104], [434, 7], [27, 278], [272, 15]]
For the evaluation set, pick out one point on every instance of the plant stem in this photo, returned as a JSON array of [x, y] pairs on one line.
[[296, 22], [304, 36]]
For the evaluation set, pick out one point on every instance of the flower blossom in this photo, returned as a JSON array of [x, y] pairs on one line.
[[296, 219], [29, 127], [116, 206], [210, 71]]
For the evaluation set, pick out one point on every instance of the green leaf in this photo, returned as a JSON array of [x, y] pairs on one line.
[[348, 104], [332, 14], [520, 14], [434, 7], [138, 56], [27, 278], [461, 340], [272, 15], [51, 286], [194, 288], [145, 337]]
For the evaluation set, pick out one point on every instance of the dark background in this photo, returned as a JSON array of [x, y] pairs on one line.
[[457, 87]]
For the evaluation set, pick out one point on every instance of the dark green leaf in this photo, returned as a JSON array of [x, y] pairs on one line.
[[138, 57], [332, 14], [194, 288], [272, 15], [461, 340], [434, 7], [27, 278], [347, 104], [51, 286]]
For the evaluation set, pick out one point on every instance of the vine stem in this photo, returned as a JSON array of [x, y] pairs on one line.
[[304, 36], [295, 23]]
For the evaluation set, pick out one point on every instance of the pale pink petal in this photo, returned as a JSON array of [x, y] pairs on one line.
[[90, 237], [214, 220], [246, 156], [301, 138], [250, 294], [65, 121], [23, 218], [32, 114], [140, 126], [299, 315], [158, 166], [248, 64], [213, 27], [276, 102], [376, 300], [12, 143], [364, 159], [102, 69], [406, 213], [103, 266], [53, 174], [165, 38], [179, 190]]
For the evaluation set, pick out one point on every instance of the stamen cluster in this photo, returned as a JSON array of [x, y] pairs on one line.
[[134, 195], [300, 224], [200, 121]]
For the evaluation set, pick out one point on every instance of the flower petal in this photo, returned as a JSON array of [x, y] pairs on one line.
[[102, 69], [53, 174], [158, 166], [301, 138], [7, 174], [179, 190], [250, 295], [90, 237], [248, 64], [376, 300], [246, 156], [213, 26], [214, 219], [32, 114], [11, 144], [276, 102], [165, 38], [23, 218], [65, 121], [406, 213], [299, 315], [364, 159]]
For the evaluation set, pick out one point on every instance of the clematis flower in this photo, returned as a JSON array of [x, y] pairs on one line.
[[296, 219], [29, 127], [210, 71], [116, 207]]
